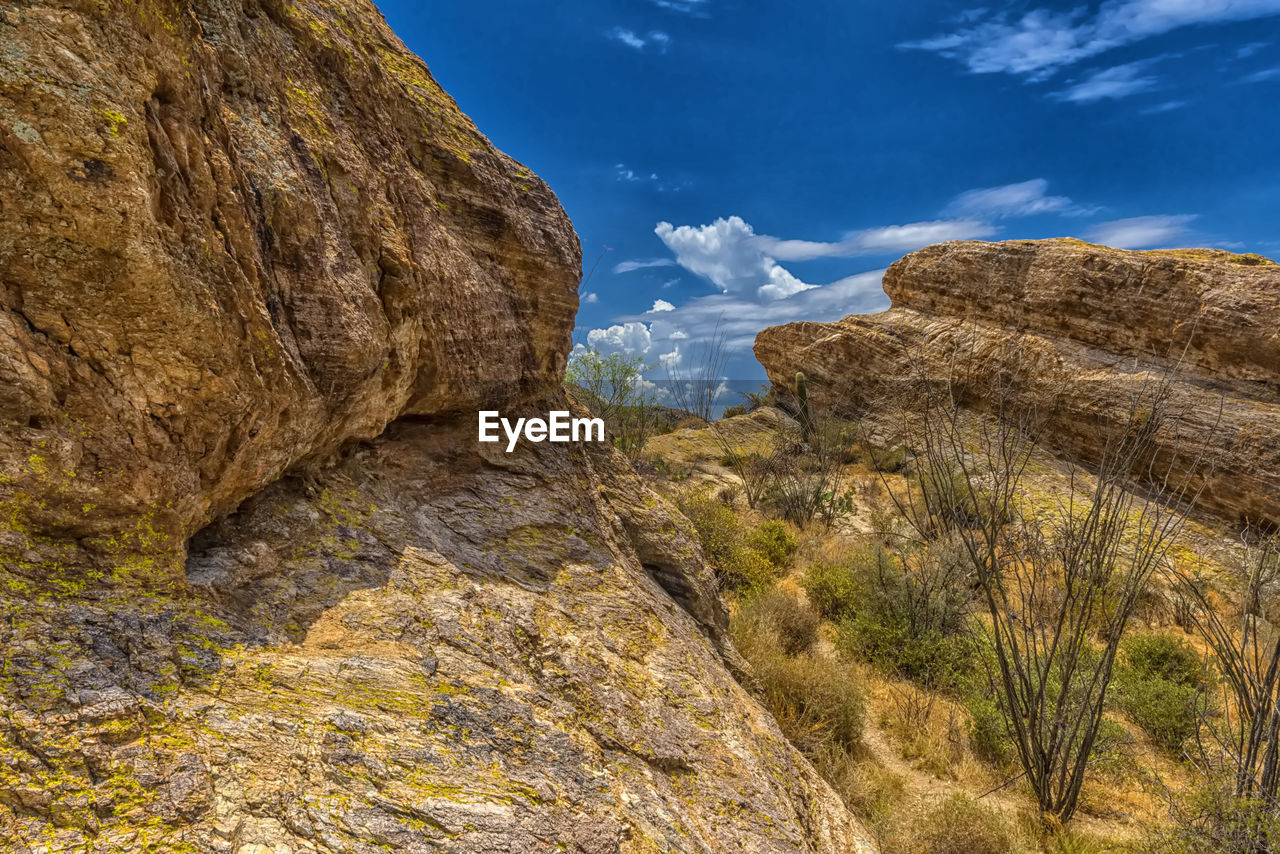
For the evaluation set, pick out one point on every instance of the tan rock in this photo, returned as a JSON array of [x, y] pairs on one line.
[[233, 238], [1083, 329]]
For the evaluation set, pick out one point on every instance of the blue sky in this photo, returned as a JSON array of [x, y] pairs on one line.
[[747, 163]]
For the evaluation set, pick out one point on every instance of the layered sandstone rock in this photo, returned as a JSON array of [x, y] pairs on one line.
[[1083, 331], [241, 240]]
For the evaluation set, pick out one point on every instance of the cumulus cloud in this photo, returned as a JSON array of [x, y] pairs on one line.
[[1028, 198], [1117, 82], [1141, 232], [730, 254], [661, 305], [1039, 42], [591, 298], [632, 338], [727, 254], [655, 39]]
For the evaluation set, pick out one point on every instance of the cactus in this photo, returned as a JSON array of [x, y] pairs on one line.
[[802, 398]]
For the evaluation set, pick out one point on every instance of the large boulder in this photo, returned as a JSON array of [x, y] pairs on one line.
[[1077, 333], [233, 237]]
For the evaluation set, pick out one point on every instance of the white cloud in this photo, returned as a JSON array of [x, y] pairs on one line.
[[632, 338], [740, 316], [637, 41], [591, 298], [1262, 76], [687, 7], [670, 360], [1141, 232], [1117, 82], [876, 241], [631, 266], [1028, 198], [1042, 41], [660, 305], [1164, 107], [726, 253]]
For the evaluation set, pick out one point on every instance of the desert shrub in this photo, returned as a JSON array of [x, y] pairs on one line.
[[1164, 657], [835, 587], [1210, 819], [1160, 687], [989, 730], [727, 543], [959, 825], [817, 700], [909, 615], [790, 619], [734, 411], [774, 540], [690, 422], [890, 460]]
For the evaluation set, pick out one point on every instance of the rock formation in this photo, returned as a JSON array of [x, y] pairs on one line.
[[1082, 330], [261, 589]]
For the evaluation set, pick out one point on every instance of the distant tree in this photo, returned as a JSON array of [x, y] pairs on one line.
[[613, 388]]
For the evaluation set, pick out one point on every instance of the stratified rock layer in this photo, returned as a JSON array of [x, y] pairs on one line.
[[254, 239], [1083, 329]]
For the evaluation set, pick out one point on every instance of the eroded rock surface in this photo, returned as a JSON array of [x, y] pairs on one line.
[[421, 650], [234, 236], [1079, 332]]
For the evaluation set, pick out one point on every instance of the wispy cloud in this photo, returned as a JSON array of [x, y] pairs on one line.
[[1117, 82], [1039, 42], [643, 264], [1164, 107], [1028, 198], [655, 39], [1248, 50], [623, 173], [1264, 76], [698, 8], [1141, 232]]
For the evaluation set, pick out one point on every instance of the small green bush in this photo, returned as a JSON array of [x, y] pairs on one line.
[[734, 411], [1160, 686], [989, 731], [727, 543], [1164, 657], [959, 825], [890, 460], [774, 540], [833, 588], [905, 613]]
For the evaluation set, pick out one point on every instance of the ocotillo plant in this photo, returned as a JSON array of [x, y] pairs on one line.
[[802, 398]]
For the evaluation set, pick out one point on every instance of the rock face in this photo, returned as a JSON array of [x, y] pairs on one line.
[[1082, 329], [234, 236], [260, 588]]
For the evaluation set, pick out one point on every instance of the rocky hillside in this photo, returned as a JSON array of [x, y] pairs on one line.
[[1078, 331], [261, 589]]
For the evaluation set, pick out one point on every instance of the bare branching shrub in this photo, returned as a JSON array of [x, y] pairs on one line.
[[1058, 584], [1239, 806]]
